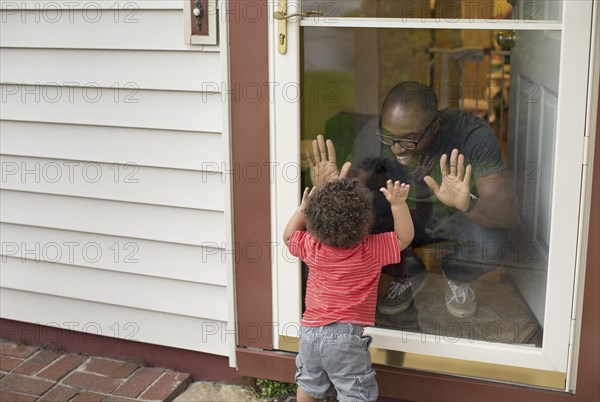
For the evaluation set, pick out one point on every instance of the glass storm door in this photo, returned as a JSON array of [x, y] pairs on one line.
[[521, 66]]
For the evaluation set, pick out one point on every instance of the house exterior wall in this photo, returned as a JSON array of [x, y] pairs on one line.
[[250, 145], [115, 202]]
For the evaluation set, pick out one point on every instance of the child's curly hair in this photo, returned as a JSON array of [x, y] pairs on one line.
[[340, 214]]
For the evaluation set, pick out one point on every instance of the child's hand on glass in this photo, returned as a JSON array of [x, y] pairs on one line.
[[396, 193], [307, 193]]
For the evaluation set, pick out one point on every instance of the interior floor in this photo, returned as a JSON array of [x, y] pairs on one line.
[[502, 313]]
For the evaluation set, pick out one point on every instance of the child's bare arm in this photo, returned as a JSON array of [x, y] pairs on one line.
[[297, 221], [396, 195]]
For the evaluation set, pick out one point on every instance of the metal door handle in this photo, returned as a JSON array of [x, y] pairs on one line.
[[279, 15]]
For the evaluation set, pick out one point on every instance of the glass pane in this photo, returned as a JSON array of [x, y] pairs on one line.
[[479, 275], [439, 9]]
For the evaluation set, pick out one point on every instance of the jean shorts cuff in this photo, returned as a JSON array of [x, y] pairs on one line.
[[312, 393]]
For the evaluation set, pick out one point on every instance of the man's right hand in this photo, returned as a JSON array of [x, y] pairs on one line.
[[322, 163]]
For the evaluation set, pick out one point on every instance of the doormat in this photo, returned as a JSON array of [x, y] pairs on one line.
[[502, 315]]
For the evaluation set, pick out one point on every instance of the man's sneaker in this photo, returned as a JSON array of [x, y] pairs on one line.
[[400, 295], [460, 299]]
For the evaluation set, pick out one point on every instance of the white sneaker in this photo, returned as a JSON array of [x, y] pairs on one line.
[[460, 299], [400, 295]]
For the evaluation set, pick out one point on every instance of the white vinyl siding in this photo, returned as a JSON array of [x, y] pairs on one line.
[[120, 254], [119, 182], [156, 148], [86, 28], [130, 106], [115, 202], [178, 71], [143, 221], [121, 321]]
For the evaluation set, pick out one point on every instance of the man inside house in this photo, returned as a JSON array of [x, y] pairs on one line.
[[463, 198]]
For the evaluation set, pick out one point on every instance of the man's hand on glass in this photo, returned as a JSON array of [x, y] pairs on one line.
[[454, 191], [322, 163]]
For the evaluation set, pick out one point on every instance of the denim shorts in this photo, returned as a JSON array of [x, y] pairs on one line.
[[336, 355]]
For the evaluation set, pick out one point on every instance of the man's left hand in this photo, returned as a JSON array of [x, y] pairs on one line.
[[454, 190]]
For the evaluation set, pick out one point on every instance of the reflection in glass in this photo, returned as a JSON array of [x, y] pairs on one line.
[[450, 10], [465, 276]]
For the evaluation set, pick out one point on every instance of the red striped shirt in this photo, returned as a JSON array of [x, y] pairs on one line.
[[342, 283]]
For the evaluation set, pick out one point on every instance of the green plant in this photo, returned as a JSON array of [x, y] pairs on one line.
[[270, 389]]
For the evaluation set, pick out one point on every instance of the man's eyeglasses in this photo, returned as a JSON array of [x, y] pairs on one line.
[[405, 143]]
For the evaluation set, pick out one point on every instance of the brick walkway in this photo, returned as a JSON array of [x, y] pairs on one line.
[[29, 373]]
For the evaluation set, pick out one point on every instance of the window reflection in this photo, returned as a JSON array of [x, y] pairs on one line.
[[444, 10], [421, 9], [462, 277]]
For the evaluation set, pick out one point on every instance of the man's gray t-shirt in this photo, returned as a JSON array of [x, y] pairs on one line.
[[473, 137]]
